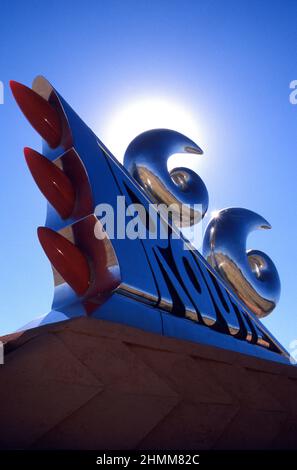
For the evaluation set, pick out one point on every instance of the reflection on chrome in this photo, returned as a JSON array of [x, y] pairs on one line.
[[146, 160], [250, 273]]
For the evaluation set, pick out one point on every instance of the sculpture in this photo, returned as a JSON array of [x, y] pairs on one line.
[[149, 282]]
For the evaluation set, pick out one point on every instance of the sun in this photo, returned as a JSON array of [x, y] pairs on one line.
[[130, 119]]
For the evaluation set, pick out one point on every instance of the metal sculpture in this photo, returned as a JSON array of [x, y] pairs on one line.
[[152, 283], [146, 160], [250, 273]]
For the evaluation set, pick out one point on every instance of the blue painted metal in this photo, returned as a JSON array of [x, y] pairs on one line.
[[164, 288]]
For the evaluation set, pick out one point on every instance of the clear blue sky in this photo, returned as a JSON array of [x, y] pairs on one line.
[[229, 62]]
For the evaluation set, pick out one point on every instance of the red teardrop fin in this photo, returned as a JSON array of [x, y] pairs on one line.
[[42, 116], [105, 265], [67, 259], [52, 182]]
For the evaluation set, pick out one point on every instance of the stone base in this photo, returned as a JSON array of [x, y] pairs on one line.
[[92, 384]]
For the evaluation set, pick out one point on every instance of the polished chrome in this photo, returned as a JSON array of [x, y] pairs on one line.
[[146, 160], [250, 273], [154, 283]]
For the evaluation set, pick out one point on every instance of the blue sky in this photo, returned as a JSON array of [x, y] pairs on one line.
[[229, 63]]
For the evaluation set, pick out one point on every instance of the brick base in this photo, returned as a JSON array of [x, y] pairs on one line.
[[92, 384]]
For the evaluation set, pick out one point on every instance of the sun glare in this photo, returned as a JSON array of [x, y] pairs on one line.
[[215, 214], [129, 120]]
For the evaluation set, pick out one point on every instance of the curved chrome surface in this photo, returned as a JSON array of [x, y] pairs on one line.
[[250, 273], [146, 160]]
